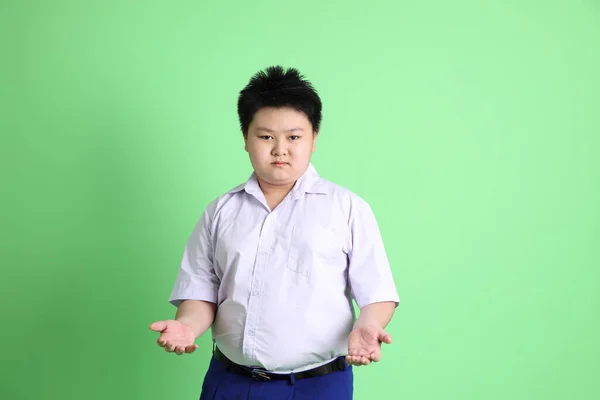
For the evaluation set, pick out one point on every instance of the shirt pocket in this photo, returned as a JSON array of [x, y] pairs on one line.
[[312, 247]]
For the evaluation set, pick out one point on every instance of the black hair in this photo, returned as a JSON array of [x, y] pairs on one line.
[[276, 87]]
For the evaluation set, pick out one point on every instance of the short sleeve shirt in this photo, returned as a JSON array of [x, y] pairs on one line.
[[284, 279]]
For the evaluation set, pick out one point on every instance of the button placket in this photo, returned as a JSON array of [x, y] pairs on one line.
[[260, 268]]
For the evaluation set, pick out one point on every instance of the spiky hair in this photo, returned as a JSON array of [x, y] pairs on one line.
[[277, 87]]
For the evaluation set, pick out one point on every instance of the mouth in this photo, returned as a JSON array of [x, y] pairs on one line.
[[279, 163]]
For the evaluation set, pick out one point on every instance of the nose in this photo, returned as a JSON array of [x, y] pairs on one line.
[[279, 148]]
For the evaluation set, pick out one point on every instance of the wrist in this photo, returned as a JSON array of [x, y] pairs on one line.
[[187, 322], [368, 324]]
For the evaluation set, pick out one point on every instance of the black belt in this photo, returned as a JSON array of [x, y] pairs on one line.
[[259, 374]]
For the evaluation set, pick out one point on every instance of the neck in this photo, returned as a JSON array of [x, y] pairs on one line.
[[274, 194], [270, 190]]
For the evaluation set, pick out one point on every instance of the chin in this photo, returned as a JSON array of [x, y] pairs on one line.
[[278, 177]]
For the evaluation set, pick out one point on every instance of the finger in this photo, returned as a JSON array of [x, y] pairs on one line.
[[375, 356], [161, 342], [169, 347], [158, 326], [354, 364], [191, 348], [365, 361], [385, 337], [179, 350], [357, 360]]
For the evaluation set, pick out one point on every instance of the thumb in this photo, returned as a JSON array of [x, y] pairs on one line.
[[158, 326], [384, 337]]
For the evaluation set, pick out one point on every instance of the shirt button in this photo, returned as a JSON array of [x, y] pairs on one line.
[[255, 293]]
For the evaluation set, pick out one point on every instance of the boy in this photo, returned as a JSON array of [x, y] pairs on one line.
[[274, 264]]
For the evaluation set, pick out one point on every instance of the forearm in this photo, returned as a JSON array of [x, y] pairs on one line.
[[376, 314], [198, 314]]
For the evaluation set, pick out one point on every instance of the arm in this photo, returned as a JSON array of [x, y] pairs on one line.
[[372, 285], [376, 315], [197, 314]]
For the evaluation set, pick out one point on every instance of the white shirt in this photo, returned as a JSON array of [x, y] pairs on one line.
[[284, 280]]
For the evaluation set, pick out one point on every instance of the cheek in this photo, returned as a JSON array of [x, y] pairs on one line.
[[258, 150], [304, 150]]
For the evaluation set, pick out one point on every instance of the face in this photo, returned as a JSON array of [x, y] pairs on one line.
[[280, 142]]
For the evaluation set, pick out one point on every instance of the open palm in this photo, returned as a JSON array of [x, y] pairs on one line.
[[364, 345], [175, 336]]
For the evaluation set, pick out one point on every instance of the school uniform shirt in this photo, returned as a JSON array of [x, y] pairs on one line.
[[284, 279]]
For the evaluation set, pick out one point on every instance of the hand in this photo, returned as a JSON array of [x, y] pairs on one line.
[[364, 345], [175, 336]]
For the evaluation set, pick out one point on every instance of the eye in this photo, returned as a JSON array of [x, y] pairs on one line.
[[266, 137], [294, 137]]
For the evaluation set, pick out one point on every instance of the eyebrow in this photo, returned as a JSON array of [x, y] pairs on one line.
[[260, 128]]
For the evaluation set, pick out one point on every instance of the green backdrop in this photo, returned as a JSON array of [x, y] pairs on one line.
[[471, 127]]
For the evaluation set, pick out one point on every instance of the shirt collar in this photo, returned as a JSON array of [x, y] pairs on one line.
[[309, 182]]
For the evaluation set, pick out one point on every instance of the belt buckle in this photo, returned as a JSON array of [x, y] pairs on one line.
[[260, 374]]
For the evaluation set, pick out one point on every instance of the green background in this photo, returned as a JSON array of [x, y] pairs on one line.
[[471, 127]]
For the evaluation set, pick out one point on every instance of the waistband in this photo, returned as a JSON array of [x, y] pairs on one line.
[[336, 365]]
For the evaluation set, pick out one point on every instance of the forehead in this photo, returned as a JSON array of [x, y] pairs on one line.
[[280, 119]]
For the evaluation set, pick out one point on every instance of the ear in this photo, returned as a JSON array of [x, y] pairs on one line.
[[246, 143], [314, 141]]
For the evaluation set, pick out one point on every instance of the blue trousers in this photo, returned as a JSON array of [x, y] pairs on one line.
[[220, 384]]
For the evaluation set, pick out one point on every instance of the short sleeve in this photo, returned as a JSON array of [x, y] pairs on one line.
[[196, 278], [369, 271]]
